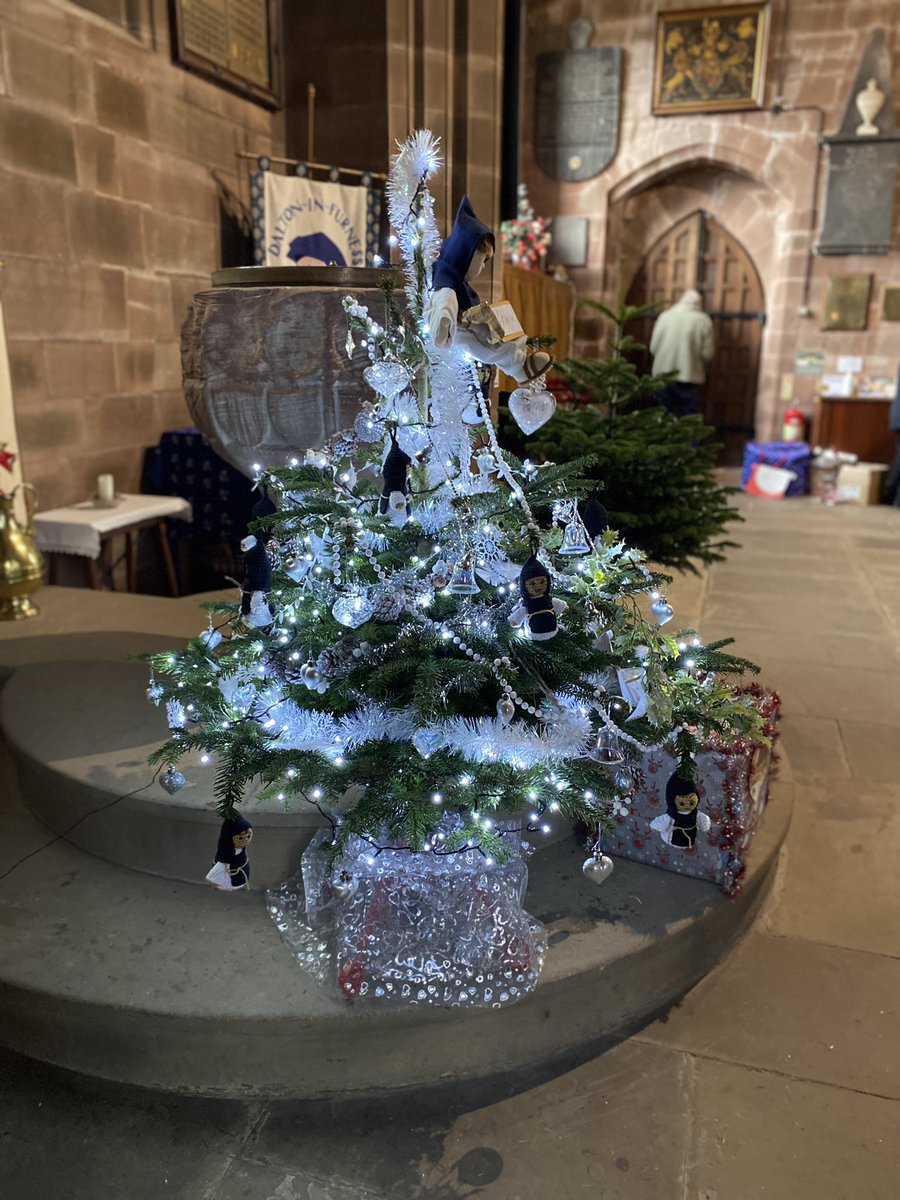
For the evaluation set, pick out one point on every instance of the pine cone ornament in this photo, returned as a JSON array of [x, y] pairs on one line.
[[369, 427], [343, 444], [387, 605], [333, 659], [290, 672]]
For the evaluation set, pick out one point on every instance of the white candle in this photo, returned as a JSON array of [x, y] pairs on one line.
[[106, 488]]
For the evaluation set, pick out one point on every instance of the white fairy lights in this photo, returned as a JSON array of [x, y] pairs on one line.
[[336, 564]]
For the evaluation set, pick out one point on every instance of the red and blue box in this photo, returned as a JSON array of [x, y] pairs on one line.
[[792, 456]]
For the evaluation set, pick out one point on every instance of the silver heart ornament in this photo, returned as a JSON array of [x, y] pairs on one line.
[[597, 870], [171, 781], [426, 741], [531, 408]]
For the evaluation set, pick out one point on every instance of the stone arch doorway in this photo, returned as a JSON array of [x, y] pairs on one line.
[[698, 252]]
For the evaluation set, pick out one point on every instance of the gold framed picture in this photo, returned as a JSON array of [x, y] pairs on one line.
[[847, 302], [710, 59], [890, 310]]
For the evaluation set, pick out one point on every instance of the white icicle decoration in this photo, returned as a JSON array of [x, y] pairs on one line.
[[418, 159]]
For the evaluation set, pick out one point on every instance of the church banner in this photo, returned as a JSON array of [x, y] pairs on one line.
[[307, 222]]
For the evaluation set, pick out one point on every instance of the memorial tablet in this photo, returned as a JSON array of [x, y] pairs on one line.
[[862, 167], [232, 42], [577, 114]]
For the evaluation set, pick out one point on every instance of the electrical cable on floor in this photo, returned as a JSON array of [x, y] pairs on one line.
[[84, 816]]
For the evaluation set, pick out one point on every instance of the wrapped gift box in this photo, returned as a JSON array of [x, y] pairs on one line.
[[733, 783], [413, 928], [791, 456]]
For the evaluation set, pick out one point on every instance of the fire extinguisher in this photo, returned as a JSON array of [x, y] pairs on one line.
[[794, 425]]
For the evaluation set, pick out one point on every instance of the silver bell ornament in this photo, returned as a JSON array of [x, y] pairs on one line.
[[344, 885], [171, 781], [462, 581], [506, 710], [597, 868], [575, 539], [352, 610], [607, 749], [154, 691], [662, 610]]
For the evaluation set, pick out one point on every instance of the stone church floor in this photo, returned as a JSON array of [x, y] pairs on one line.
[[777, 1076]]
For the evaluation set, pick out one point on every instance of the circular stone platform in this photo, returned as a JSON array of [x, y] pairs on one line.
[[81, 734], [115, 972]]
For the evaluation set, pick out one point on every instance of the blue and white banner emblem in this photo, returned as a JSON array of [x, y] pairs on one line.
[[307, 222]]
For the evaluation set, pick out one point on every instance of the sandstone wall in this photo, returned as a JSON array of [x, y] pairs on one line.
[[752, 171], [445, 73], [108, 225]]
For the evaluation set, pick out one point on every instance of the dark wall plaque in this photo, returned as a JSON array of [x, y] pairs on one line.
[[578, 111], [862, 167], [859, 202], [233, 42]]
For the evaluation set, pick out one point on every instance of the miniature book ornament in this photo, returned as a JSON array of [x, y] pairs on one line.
[[538, 610], [450, 316], [231, 870], [678, 825]]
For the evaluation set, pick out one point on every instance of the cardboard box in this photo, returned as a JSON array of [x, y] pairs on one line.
[[860, 483]]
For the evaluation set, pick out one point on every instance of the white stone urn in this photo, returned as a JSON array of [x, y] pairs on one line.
[[870, 102]]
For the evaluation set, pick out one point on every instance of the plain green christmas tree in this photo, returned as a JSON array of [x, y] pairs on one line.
[[655, 472]]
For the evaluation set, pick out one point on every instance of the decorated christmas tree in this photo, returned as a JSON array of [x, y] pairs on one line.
[[437, 646], [526, 238]]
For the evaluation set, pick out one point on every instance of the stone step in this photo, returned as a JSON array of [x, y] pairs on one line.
[[151, 981], [81, 734]]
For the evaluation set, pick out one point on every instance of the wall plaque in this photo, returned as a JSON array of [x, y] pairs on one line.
[[891, 304], [232, 42], [859, 201], [847, 302], [862, 168], [577, 111]]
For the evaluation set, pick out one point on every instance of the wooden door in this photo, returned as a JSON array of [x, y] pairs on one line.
[[699, 253]]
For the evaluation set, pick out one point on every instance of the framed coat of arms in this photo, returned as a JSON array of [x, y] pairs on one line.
[[710, 59]]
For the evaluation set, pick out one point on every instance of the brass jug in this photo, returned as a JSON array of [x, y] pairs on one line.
[[21, 565]]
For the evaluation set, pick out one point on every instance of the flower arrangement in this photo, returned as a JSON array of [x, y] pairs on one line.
[[527, 238]]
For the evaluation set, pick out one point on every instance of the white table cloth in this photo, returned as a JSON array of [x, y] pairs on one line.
[[80, 528]]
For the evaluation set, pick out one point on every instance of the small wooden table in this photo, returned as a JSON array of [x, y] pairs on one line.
[[88, 529]]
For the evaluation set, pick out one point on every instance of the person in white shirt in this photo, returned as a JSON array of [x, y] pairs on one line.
[[682, 342]]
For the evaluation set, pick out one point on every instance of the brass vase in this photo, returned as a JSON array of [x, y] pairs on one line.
[[21, 565]]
